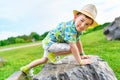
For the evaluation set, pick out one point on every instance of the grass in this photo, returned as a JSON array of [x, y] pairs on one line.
[[94, 43], [17, 58]]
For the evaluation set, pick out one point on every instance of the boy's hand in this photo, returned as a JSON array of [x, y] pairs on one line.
[[86, 61], [85, 57]]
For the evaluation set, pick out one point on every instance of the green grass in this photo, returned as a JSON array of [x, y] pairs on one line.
[[94, 43], [17, 58]]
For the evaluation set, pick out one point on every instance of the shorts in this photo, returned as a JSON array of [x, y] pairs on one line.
[[55, 47]]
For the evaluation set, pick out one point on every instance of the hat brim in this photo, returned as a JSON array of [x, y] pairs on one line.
[[75, 12]]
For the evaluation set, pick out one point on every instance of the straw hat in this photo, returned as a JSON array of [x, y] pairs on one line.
[[90, 11]]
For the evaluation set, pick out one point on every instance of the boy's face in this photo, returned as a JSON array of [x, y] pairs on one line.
[[82, 22]]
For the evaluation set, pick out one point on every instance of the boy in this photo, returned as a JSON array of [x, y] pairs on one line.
[[64, 39]]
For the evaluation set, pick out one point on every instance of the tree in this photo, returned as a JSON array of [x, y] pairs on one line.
[[19, 40], [43, 35], [26, 38], [3, 42], [34, 35], [11, 40]]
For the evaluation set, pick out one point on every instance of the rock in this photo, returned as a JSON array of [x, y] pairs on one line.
[[112, 31], [18, 76], [69, 70], [2, 62]]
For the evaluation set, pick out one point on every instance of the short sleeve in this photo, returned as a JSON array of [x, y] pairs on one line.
[[78, 38]]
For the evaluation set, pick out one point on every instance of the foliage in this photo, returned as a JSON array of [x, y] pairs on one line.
[[26, 38], [19, 40], [11, 40], [34, 35], [4, 42], [23, 39], [43, 35]]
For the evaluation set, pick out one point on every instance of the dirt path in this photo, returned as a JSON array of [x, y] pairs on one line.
[[16, 47]]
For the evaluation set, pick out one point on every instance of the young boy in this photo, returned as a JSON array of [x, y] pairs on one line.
[[64, 39]]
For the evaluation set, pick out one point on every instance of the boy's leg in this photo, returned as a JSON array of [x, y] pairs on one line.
[[60, 49], [34, 63], [55, 56], [26, 69], [37, 62], [57, 49], [62, 53]]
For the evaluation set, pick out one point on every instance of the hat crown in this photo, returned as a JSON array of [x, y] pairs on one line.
[[90, 9]]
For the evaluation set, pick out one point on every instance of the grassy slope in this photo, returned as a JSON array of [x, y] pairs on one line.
[[94, 43], [17, 58]]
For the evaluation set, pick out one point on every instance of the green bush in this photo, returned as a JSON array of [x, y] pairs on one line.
[[19, 40], [3, 43]]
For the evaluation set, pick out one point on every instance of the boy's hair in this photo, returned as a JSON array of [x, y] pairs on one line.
[[85, 16]]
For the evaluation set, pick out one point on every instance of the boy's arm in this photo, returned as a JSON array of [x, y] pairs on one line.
[[75, 52], [80, 47]]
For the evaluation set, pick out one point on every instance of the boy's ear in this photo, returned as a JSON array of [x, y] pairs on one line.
[[75, 17]]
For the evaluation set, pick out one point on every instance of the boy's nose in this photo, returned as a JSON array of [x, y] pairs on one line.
[[82, 25]]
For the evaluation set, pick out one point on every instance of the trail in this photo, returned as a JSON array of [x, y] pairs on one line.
[[17, 47]]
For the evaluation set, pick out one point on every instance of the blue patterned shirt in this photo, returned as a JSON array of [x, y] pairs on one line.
[[65, 32]]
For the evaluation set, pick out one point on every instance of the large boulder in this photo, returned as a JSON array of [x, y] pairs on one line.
[[70, 70], [112, 31]]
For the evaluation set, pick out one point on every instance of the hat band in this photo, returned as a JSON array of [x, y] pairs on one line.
[[87, 14]]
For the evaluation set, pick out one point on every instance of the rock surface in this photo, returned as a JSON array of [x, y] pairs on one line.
[[69, 70], [18, 76], [112, 31]]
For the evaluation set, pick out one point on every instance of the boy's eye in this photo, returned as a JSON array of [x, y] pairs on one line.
[[82, 20], [87, 24]]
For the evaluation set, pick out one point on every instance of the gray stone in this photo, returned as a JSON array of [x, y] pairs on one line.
[[2, 62], [70, 70], [112, 31], [18, 76]]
